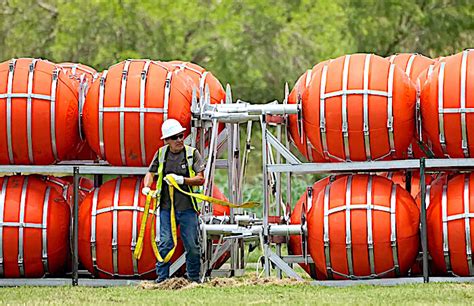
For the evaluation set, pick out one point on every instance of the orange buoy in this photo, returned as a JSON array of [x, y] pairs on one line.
[[363, 226], [399, 178], [415, 150], [126, 106], [450, 223], [80, 73], [359, 107], [201, 78], [65, 186], [39, 112], [110, 219], [414, 65], [295, 125], [34, 228], [447, 100], [82, 77], [295, 243], [219, 210]]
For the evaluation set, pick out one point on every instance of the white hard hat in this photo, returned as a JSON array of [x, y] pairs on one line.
[[171, 127]]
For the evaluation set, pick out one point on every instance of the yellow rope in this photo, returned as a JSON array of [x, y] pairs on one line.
[[153, 201], [139, 247], [209, 199], [174, 232]]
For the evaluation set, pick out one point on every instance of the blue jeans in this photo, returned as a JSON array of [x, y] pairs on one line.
[[189, 229]]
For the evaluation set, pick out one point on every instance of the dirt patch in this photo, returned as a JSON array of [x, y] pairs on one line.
[[223, 282], [182, 283], [271, 281], [169, 284]]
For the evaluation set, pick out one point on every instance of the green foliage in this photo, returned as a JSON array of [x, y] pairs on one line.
[[431, 27], [256, 46]]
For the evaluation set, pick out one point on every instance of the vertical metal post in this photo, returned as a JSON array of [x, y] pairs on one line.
[[424, 235], [235, 194], [230, 184], [75, 250], [266, 202], [408, 176], [278, 195], [98, 180]]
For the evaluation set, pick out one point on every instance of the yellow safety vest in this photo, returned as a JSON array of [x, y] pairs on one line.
[[190, 162]]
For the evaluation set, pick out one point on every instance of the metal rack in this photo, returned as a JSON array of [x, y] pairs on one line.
[[236, 229], [276, 114]]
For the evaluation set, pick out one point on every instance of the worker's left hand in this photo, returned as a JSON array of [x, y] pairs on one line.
[[178, 178]]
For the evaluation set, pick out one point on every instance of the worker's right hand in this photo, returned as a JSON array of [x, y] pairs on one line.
[[145, 190]]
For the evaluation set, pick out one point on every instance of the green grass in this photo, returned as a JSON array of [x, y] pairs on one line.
[[441, 293]]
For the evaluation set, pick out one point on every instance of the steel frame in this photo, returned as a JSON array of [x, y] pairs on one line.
[[237, 228]]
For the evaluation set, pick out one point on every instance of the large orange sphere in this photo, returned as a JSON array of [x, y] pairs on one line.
[[447, 99], [82, 77], [363, 226], [295, 126], [110, 220], [359, 107], [295, 243], [399, 178], [415, 66], [450, 220], [219, 210], [34, 230], [65, 186], [127, 105], [412, 63], [39, 112], [80, 74], [201, 78]]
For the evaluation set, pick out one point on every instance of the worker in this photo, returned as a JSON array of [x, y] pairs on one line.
[[186, 166]]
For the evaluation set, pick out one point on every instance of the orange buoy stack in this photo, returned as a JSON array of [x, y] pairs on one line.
[[359, 107], [39, 112], [363, 226], [125, 108], [447, 100], [109, 228], [34, 228], [450, 224]]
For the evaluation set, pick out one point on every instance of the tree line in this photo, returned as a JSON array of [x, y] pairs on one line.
[[256, 46]]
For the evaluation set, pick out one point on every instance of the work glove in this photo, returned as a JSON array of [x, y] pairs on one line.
[[178, 178], [145, 190]]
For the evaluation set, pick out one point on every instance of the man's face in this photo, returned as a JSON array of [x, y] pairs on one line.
[[176, 142]]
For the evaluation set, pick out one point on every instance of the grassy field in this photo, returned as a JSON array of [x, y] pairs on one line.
[[283, 294]]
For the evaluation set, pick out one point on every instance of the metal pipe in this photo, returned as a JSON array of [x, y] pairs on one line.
[[278, 195], [255, 109], [424, 234], [235, 229], [75, 236], [266, 199]]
